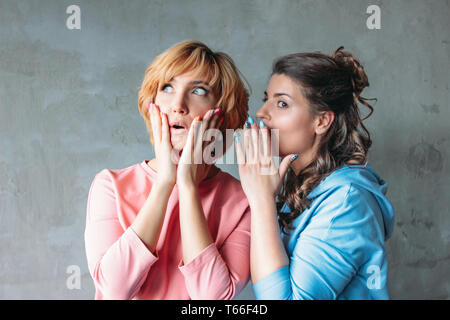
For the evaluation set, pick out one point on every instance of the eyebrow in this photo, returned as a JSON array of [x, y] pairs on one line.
[[200, 82], [279, 94], [194, 82]]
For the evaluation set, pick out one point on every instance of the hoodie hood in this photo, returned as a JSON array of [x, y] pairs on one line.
[[364, 177]]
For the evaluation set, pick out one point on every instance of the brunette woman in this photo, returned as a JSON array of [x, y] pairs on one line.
[[327, 200]]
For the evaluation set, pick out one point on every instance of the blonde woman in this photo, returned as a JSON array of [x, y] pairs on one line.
[[174, 228]]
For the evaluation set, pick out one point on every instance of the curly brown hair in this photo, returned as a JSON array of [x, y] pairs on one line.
[[329, 83]]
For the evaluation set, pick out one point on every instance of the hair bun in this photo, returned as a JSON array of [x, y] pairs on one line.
[[352, 64]]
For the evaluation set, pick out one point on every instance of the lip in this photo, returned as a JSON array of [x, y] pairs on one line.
[[177, 123], [174, 130]]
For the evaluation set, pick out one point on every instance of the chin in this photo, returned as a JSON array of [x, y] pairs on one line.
[[178, 143], [283, 153]]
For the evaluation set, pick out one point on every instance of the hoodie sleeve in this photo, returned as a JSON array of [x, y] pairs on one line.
[[341, 235]]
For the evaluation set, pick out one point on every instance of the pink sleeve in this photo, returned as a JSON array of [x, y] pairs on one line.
[[118, 260], [220, 274]]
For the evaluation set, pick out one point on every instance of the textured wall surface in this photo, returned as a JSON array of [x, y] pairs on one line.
[[68, 109]]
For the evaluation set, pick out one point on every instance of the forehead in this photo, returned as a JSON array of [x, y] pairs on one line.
[[191, 77], [282, 83]]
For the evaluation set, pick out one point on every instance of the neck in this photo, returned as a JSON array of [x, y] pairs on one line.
[[301, 162], [304, 159]]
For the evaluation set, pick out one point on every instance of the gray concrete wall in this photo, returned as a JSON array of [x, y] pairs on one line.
[[68, 109]]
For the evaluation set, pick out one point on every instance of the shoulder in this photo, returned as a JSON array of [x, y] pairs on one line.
[[111, 178], [348, 220], [344, 208], [121, 173], [346, 199], [346, 188], [357, 222], [352, 201]]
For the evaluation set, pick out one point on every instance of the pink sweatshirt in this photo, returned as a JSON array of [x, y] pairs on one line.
[[121, 265]]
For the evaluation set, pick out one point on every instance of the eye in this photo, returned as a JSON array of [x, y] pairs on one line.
[[200, 91], [167, 88], [282, 104]]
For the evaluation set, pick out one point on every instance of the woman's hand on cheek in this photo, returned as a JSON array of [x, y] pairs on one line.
[[260, 178], [163, 146], [192, 168]]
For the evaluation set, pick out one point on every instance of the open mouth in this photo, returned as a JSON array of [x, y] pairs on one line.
[[178, 128]]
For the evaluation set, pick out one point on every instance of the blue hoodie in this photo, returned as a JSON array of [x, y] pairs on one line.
[[337, 247]]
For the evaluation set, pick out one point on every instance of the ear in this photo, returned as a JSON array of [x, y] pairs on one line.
[[323, 122]]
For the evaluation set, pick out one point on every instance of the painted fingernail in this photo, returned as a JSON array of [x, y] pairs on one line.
[[250, 120], [295, 156], [218, 110], [198, 118], [236, 138], [262, 124], [221, 119], [148, 105], [247, 125]]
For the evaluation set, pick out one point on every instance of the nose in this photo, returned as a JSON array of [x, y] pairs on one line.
[[178, 104], [263, 114]]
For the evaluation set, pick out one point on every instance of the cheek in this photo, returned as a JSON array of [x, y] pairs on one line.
[[296, 135], [162, 102]]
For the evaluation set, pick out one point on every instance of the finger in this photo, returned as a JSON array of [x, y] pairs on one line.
[[254, 134], [199, 130], [201, 126], [150, 118], [213, 119], [195, 143], [154, 118], [165, 129], [285, 163], [158, 119], [252, 143], [186, 155], [208, 115], [265, 147], [239, 152], [248, 147], [148, 107], [206, 120], [265, 139]]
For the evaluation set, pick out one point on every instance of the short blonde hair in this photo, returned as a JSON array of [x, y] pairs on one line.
[[219, 69]]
